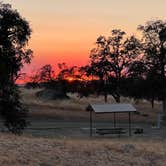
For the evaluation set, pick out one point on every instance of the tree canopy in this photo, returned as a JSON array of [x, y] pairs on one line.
[[154, 50], [14, 35], [113, 57]]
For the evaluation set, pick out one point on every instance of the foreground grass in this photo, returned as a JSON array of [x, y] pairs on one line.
[[31, 151]]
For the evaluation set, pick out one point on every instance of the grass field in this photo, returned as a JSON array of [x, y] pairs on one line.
[[75, 108], [29, 151], [64, 150]]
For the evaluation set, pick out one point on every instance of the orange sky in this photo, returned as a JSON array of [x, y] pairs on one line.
[[66, 30]]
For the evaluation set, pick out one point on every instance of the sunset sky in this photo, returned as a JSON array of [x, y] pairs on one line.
[[66, 30]]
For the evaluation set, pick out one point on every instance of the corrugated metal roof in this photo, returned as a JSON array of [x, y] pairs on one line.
[[112, 108]]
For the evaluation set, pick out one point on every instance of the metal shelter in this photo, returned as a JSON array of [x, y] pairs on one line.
[[112, 108]]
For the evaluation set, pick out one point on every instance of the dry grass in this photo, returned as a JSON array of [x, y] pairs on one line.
[[75, 107], [23, 151], [29, 98], [27, 150], [74, 103]]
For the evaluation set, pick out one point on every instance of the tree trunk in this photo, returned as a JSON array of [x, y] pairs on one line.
[[105, 91], [118, 99], [152, 102], [164, 107], [105, 97], [164, 110]]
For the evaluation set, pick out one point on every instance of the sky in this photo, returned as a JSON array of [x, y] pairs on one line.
[[66, 30]]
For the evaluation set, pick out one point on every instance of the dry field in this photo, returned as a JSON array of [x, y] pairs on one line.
[[75, 107], [69, 118], [29, 151]]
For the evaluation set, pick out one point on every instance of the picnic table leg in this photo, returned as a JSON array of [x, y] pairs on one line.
[[129, 123]]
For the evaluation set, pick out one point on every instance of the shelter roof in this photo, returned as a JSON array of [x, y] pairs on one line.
[[113, 108]]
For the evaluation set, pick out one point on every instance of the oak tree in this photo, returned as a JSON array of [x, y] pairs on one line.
[[14, 35], [112, 59], [154, 41]]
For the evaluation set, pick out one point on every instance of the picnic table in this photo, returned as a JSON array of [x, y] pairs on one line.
[[118, 131]]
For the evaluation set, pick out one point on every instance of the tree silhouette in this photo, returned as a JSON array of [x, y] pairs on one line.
[[70, 73], [154, 40], [112, 59], [14, 35], [46, 73]]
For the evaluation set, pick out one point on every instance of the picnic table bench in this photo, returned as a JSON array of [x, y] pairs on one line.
[[138, 131], [103, 131]]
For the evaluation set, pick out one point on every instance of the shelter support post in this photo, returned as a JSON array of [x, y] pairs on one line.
[[90, 123], [114, 119], [129, 123]]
